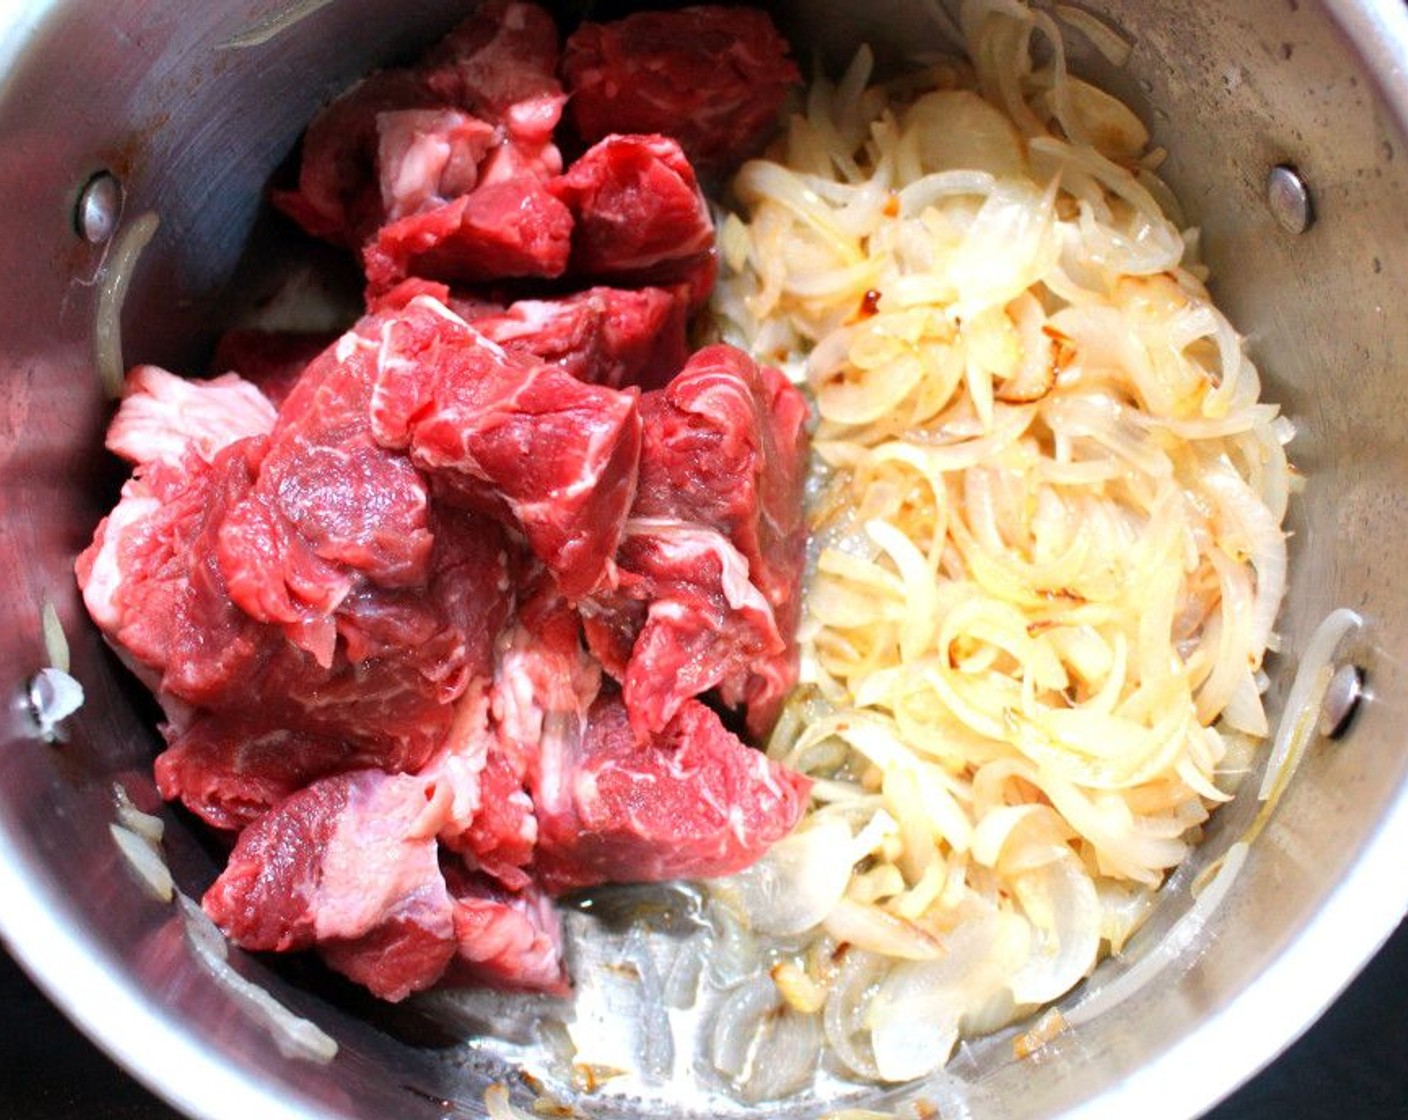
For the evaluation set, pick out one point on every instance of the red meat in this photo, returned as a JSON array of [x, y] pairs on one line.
[[640, 216], [511, 940], [693, 802], [684, 619], [270, 360], [507, 228], [711, 77], [362, 160], [716, 545], [552, 456], [348, 864], [608, 336]]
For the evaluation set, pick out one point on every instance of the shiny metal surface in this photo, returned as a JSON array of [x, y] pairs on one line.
[[1288, 195], [192, 125]]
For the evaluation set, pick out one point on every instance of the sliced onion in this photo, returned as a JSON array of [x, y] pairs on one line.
[[876, 931], [112, 294], [845, 1018], [765, 1048], [1301, 711], [736, 1025], [145, 860], [55, 640], [799, 881], [295, 1036], [498, 1105], [269, 28], [1108, 40], [1143, 971], [145, 825], [1061, 902], [919, 1007], [956, 130]]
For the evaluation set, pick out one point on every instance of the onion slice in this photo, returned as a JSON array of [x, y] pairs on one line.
[[112, 294], [295, 1036], [1301, 711]]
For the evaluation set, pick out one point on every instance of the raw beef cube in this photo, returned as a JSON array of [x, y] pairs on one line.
[[725, 446], [349, 864], [694, 802], [608, 336], [710, 568], [272, 361], [230, 772], [508, 228], [520, 439], [380, 694], [330, 508], [686, 616], [403, 954], [162, 415], [711, 77], [497, 67], [640, 216], [544, 685], [427, 157], [150, 580], [511, 940], [387, 700], [338, 197], [503, 54]]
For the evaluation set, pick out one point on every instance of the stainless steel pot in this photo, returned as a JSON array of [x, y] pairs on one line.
[[190, 106]]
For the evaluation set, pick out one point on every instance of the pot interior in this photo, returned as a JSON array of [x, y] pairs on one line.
[[193, 109]]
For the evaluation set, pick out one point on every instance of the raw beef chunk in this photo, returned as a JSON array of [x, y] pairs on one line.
[[508, 228], [231, 771], [715, 546], [693, 802], [510, 940], [725, 446], [349, 864], [506, 53], [711, 77], [270, 360], [163, 415], [495, 75], [151, 582], [684, 619], [608, 336], [556, 458], [377, 695], [640, 216]]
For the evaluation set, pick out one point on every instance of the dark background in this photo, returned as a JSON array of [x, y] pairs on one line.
[[1352, 1064]]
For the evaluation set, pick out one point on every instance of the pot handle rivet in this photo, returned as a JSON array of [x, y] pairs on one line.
[[1342, 699], [53, 696], [99, 206], [1289, 199]]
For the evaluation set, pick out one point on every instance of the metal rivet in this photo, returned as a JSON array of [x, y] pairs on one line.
[[53, 696], [1341, 700], [1289, 199], [99, 208]]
